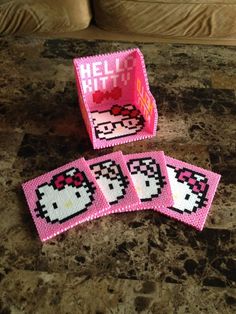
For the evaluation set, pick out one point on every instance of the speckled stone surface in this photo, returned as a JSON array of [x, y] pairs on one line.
[[126, 263]]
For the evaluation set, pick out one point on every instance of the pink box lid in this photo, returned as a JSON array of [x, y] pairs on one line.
[[149, 174], [193, 191], [63, 198], [113, 177]]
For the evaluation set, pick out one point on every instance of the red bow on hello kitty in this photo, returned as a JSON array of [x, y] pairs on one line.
[[99, 96], [63, 179], [187, 176], [119, 110]]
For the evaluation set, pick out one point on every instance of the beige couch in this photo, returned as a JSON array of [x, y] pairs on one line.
[[29, 16], [213, 19], [184, 19]]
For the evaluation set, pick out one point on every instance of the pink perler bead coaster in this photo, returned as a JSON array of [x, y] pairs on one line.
[[63, 198], [150, 178], [114, 96], [193, 190], [113, 177]]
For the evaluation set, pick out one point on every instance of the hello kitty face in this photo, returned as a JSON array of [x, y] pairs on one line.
[[189, 189], [147, 178], [111, 180], [68, 194], [117, 122]]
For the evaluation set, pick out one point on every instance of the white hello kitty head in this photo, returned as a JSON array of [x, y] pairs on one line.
[[189, 189], [68, 194], [117, 122], [111, 180], [147, 178]]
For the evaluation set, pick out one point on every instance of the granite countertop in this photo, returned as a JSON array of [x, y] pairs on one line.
[[126, 263]]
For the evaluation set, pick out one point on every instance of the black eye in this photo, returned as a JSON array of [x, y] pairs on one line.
[[105, 128], [147, 183], [78, 194], [54, 205], [187, 196], [111, 187]]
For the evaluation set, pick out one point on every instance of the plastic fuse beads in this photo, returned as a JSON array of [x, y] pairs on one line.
[[150, 178], [113, 183], [115, 99], [63, 198], [113, 177], [193, 190]]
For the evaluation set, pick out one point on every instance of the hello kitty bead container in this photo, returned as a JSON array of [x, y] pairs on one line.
[[114, 96]]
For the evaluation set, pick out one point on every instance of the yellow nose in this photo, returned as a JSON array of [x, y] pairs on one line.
[[139, 188], [175, 196], [68, 204]]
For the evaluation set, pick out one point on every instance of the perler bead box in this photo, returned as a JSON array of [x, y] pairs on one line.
[[116, 103]]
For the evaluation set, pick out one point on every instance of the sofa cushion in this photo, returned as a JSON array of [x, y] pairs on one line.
[[27, 16], [176, 18]]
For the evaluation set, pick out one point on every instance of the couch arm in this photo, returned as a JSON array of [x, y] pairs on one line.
[[29, 16]]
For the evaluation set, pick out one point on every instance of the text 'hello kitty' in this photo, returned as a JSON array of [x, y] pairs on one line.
[[101, 74]]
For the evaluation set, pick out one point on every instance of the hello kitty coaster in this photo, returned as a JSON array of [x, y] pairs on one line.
[[150, 178], [113, 177], [193, 190], [63, 198], [115, 99]]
